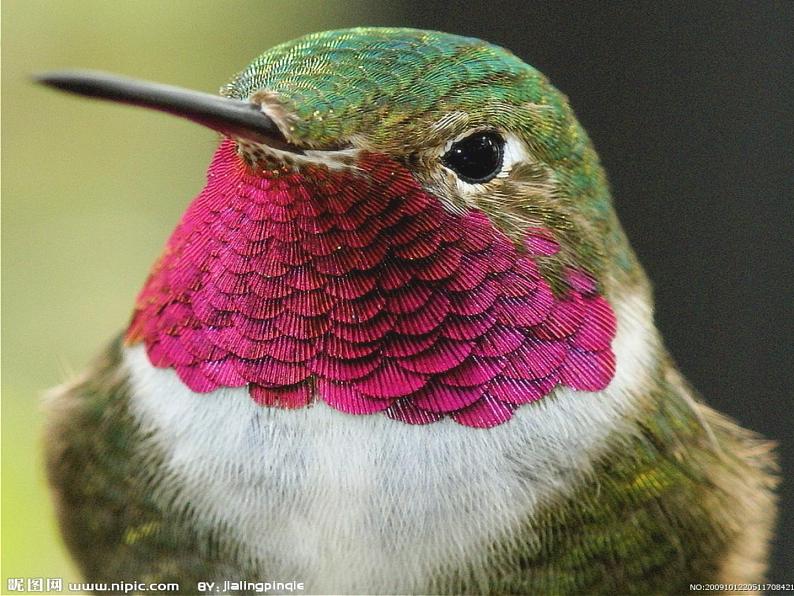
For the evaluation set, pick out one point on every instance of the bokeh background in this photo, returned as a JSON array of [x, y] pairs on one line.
[[689, 105]]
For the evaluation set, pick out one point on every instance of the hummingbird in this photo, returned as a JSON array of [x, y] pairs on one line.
[[399, 343]]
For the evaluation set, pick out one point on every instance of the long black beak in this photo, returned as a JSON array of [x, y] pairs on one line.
[[231, 117]]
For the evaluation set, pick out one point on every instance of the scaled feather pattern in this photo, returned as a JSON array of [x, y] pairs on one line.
[[357, 287]]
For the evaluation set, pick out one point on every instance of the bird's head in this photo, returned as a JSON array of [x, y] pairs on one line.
[[397, 220]]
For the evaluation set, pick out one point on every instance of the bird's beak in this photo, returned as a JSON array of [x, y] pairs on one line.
[[231, 117]]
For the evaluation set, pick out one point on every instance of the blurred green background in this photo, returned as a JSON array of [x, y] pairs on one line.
[[90, 191]]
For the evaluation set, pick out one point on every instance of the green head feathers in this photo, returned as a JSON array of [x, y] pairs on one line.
[[391, 86]]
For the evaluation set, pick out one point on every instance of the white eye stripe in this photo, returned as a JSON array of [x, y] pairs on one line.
[[515, 152]]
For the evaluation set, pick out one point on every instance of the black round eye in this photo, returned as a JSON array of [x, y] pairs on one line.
[[477, 158]]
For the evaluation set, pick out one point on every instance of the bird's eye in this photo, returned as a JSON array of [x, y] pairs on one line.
[[476, 158]]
